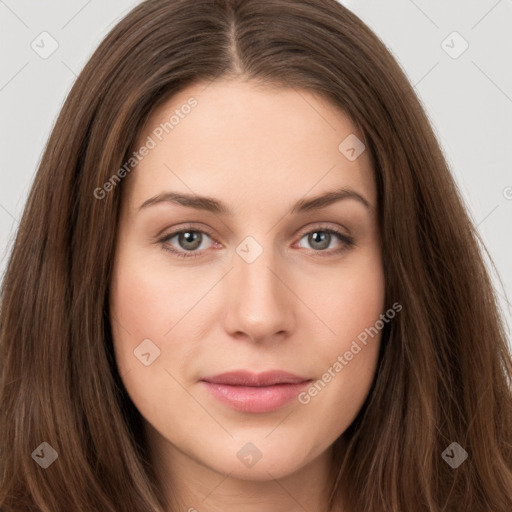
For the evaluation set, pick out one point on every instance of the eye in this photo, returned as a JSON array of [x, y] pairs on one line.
[[190, 242], [322, 238]]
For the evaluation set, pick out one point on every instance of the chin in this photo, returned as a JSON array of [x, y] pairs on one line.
[[261, 459]]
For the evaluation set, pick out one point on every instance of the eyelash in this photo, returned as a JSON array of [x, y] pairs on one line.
[[348, 242]]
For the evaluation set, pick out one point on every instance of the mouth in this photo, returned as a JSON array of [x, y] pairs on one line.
[[255, 393]]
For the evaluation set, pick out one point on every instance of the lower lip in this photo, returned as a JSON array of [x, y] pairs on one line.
[[255, 399]]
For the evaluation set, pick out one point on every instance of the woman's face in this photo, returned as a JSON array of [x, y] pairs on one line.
[[240, 340]]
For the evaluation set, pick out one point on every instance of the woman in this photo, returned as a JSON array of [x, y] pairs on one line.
[[245, 279]]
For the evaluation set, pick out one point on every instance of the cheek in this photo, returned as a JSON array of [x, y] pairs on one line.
[[140, 309], [148, 296], [141, 304], [141, 314], [351, 299], [347, 359], [359, 303]]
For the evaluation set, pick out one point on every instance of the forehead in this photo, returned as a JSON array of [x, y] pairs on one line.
[[254, 144]]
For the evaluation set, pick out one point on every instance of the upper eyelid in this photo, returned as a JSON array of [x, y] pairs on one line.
[[301, 232]]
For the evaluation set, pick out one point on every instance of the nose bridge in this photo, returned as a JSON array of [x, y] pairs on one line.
[[256, 277], [259, 303]]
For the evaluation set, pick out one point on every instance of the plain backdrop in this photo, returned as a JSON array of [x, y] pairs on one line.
[[457, 54]]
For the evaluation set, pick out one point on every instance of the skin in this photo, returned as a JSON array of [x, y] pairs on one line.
[[259, 150]]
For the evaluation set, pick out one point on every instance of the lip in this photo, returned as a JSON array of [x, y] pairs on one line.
[[255, 393]]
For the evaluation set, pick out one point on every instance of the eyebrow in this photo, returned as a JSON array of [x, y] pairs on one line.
[[212, 205]]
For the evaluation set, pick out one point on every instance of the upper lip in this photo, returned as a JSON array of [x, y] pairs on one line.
[[247, 378]]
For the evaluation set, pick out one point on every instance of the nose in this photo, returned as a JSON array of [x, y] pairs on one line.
[[260, 306]]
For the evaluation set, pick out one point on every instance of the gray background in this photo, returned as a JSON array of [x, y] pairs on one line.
[[468, 97]]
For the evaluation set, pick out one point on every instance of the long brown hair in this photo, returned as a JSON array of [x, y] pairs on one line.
[[444, 372]]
